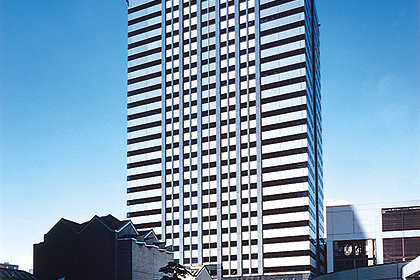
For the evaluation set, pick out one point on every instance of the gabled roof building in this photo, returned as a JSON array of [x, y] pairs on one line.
[[12, 274], [102, 248]]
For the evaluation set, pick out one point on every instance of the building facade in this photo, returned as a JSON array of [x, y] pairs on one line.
[[102, 248], [371, 234], [224, 133]]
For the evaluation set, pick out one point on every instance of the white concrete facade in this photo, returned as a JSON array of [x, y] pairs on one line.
[[360, 222]]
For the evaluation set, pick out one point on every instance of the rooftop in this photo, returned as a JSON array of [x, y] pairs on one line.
[[6, 274]]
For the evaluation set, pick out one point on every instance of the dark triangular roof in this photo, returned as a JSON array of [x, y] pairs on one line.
[[143, 232], [197, 270], [75, 226], [109, 221], [148, 235], [15, 274], [112, 222]]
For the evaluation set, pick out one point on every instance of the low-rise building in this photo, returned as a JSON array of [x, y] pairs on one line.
[[393, 271], [102, 248], [371, 234], [15, 274]]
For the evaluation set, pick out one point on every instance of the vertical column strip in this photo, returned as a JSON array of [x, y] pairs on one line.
[[218, 148], [189, 138], [181, 130], [259, 135], [163, 122], [238, 135], [199, 140]]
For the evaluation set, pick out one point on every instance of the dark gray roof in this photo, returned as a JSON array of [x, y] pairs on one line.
[[147, 236], [113, 224], [75, 226], [143, 232], [110, 221], [6, 274]]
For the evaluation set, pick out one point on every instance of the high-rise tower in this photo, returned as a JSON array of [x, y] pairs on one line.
[[224, 132]]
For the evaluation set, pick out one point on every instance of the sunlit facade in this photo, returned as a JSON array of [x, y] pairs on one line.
[[224, 133]]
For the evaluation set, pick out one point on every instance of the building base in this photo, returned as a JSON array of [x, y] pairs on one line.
[[300, 276]]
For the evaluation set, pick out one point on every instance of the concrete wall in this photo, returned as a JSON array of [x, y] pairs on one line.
[[146, 261], [380, 272], [364, 221]]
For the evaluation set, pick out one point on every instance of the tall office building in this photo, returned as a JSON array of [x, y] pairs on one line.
[[224, 133]]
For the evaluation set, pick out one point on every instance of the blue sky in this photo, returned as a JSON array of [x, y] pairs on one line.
[[63, 116]]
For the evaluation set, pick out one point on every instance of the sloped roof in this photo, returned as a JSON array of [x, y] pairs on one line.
[[75, 226], [109, 221], [112, 222], [15, 274], [125, 229], [143, 232], [197, 269], [147, 236], [199, 272]]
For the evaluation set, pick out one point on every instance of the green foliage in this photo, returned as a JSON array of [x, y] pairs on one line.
[[174, 271]]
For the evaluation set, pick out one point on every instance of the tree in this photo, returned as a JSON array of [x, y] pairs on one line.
[[174, 271]]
